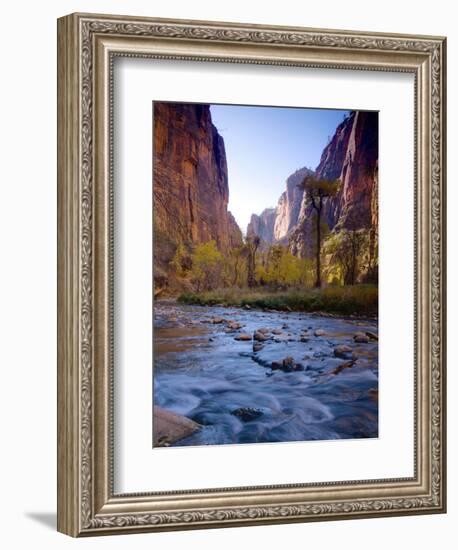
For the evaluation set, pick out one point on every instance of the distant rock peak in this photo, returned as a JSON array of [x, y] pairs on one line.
[[262, 225], [289, 205], [276, 224]]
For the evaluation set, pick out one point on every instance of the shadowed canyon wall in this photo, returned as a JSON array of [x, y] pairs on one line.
[[191, 190]]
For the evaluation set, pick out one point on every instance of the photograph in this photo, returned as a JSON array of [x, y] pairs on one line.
[[265, 237]]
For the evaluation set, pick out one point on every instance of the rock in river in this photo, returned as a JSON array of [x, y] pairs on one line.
[[361, 338], [319, 332], [243, 336], [260, 336], [287, 365], [217, 320], [233, 325], [372, 335], [247, 413], [342, 366], [343, 351], [169, 427], [373, 392]]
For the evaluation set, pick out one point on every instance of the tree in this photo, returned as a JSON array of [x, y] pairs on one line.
[[371, 275], [355, 242], [281, 268], [317, 192], [347, 248], [236, 260], [251, 247], [181, 262], [274, 257], [207, 263]]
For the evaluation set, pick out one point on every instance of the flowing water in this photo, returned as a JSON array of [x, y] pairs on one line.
[[202, 372]]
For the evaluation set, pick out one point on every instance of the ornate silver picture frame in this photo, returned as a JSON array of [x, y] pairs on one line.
[[88, 44]]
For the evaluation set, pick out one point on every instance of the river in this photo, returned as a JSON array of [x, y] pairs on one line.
[[203, 372]]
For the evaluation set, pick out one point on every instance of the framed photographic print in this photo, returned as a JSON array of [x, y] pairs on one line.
[[251, 274]]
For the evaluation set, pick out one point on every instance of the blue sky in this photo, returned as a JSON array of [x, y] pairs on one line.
[[264, 145]]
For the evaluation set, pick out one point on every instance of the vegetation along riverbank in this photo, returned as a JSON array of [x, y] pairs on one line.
[[359, 300]]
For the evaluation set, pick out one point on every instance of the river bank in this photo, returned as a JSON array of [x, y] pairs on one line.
[[355, 300], [251, 376]]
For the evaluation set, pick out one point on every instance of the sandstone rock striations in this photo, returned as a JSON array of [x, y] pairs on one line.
[[354, 205], [352, 158], [190, 190]]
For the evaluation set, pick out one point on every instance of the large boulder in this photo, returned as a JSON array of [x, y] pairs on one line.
[[169, 427]]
